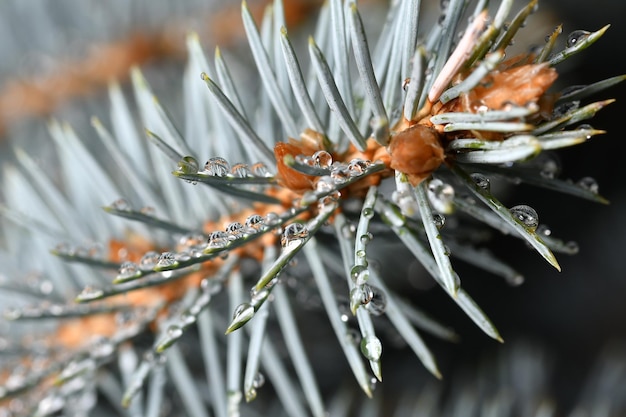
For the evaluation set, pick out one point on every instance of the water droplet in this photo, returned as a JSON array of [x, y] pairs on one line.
[[366, 238], [340, 174], [589, 184], [255, 222], [576, 37], [325, 184], [148, 261], [259, 380], [260, 170], [243, 312], [562, 109], [128, 270], [357, 166], [12, 313], [188, 165], [348, 230], [441, 195], [482, 181], [234, 228], [360, 295], [359, 274], [50, 405], [378, 303], [217, 167], [550, 165], [101, 347], [217, 240], [543, 230], [121, 205], [147, 211], [258, 297], [439, 220], [272, 219], [240, 170], [572, 247], [166, 259], [89, 293], [188, 318], [174, 332], [322, 159], [293, 234], [367, 213], [525, 215], [211, 286], [371, 348]]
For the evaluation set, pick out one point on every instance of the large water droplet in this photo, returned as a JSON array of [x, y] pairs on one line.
[[293, 234], [367, 213], [576, 37], [174, 332], [188, 165], [371, 348], [217, 167], [525, 215], [589, 184], [340, 174]]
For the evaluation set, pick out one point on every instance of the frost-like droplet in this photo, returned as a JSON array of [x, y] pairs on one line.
[[525, 215], [217, 167], [293, 234], [482, 181], [188, 165], [589, 184], [371, 348], [576, 37]]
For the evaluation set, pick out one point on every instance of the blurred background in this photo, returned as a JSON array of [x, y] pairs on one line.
[[56, 59]]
